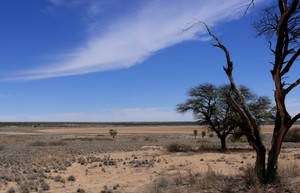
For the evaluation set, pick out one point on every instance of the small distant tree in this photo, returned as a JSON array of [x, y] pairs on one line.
[[195, 133], [203, 134], [210, 106], [113, 132]]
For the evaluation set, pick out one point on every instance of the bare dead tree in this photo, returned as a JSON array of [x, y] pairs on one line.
[[250, 124], [283, 26], [281, 23]]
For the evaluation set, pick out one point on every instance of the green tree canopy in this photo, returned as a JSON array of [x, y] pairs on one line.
[[210, 106]]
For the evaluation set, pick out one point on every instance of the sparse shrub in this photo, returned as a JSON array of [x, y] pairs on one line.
[[80, 190], [195, 132], [59, 179], [59, 158], [33, 185], [11, 190], [292, 171], [67, 164], [203, 134], [38, 143], [9, 177], [293, 135], [176, 147], [24, 188], [150, 139], [134, 139], [213, 181], [113, 132], [50, 143], [205, 145], [57, 143], [32, 176], [72, 178], [45, 186], [106, 190], [1, 147], [81, 160], [116, 186], [249, 176], [159, 185], [211, 135]]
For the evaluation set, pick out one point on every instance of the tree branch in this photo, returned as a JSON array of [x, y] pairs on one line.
[[290, 63], [295, 118], [281, 6], [229, 130], [288, 89], [240, 111]]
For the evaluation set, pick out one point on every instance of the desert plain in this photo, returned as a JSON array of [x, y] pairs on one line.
[[85, 158]]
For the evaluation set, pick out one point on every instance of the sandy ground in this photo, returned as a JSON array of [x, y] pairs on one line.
[[131, 171], [134, 170], [133, 177]]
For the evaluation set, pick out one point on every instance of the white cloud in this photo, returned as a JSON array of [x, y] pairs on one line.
[[128, 114], [132, 38]]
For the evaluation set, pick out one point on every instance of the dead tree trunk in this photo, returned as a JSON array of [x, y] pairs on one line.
[[250, 125], [285, 26], [285, 54]]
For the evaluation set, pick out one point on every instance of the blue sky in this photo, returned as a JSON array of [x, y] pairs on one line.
[[118, 60]]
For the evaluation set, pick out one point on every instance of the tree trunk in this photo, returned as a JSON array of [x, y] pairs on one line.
[[271, 174], [223, 143], [260, 162]]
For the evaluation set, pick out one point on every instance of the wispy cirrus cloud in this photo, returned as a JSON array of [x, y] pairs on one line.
[[131, 38]]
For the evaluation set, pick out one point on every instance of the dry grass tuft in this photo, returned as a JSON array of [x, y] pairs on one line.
[[201, 146], [210, 181], [60, 157], [213, 181], [179, 147]]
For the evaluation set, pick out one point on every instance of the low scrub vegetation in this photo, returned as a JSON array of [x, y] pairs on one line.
[[213, 181], [177, 147], [293, 135], [1, 147], [48, 143], [201, 146]]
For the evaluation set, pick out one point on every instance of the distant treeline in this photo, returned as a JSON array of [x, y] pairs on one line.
[[93, 124], [103, 124]]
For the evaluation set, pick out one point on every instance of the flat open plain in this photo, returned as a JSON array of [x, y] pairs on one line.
[[67, 159]]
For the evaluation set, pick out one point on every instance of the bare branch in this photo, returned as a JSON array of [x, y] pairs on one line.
[[248, 6], [270, 47], [242, 108], [290, 63], [292, 86], [295, 118]]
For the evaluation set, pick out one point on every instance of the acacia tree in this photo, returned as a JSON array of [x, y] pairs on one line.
[[209, 105], [280, 24]]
